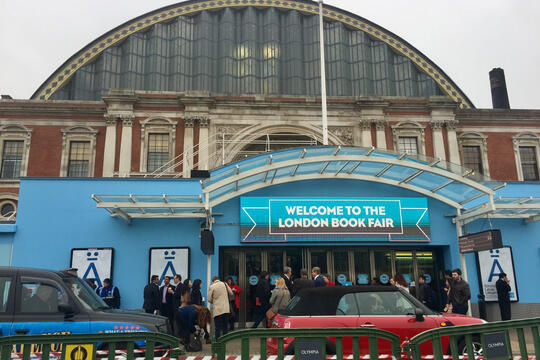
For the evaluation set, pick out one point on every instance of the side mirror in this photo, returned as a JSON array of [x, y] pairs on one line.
[[419, 314], [67, 309]]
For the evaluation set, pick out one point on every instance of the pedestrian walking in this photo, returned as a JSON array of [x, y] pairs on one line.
[[166, 293], [460, 293], [302, 282], [262, 300], [109, 293], [218, 296], [503, 296], [279, 299], [399, 282], [328, 280], [423, 293], [317, 277], [151, 296], [287, 276], [196, 296], [234, 302]]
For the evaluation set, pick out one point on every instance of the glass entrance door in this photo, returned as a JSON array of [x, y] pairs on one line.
[[352, 265]]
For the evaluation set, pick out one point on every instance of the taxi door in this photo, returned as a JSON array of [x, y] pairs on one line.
[[7, 288], [37, 309]]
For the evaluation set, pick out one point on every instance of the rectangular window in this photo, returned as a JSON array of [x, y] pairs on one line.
[[12, 159], [40, 296], [529, 163], [79, 159], [408, 144], [158, 151], [5, 284], [472, 158]]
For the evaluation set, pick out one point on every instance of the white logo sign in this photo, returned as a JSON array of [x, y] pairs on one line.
[[169, 262], [492, 263], [92, 263]]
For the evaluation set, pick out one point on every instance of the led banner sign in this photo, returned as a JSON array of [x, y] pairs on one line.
[[334, 219]]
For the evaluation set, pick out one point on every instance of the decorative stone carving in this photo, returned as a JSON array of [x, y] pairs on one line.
[[365, 125], [380, 125], [189, 121], [436, 124], [451, 125], [345, 134], [127, 119], [204, 121], [110, 119]]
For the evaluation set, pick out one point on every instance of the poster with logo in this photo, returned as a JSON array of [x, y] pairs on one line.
[[169, 262], [493, 262], [93, 263], [302, 219]]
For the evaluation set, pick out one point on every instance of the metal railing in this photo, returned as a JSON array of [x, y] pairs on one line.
[[470, 335], [110, 342], [372, 335]]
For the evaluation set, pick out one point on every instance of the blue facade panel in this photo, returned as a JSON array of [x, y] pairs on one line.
[[56, 215]]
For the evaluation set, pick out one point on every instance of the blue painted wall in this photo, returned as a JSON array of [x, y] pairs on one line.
[[56, 215]]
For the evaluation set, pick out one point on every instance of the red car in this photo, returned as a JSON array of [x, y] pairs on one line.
[[381, 307]]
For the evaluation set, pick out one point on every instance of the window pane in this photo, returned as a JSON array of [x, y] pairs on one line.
[[158, 151], [5, 283], [408, 144], [347, 305], [472, 158], [12, 159], [404, 265], [362, 268], [529, 163], [79, 159], [384, 303], [37, 296], [383, 265]]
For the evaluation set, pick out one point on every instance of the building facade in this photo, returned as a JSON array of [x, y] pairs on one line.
[[200, 88]]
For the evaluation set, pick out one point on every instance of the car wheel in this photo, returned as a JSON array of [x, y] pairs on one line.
[[330, 348], [477, 347]]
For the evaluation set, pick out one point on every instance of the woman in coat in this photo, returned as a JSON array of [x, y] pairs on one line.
[[280, 296]]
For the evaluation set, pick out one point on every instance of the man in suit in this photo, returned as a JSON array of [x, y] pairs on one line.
[[317, 277], [287, 276], [166, 296], [177, 283], [151, 296], [302, 282], [503, 296]]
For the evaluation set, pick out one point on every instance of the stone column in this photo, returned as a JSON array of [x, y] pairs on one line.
[[366, 133], [187, 163], [110, 146], [453, 146], [204, 123], [438, 140], [380, 126], [124, 167]]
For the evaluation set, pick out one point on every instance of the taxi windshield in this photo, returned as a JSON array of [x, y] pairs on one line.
[[88, 298]]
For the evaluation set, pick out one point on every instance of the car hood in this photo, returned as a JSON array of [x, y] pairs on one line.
[[149, 321]]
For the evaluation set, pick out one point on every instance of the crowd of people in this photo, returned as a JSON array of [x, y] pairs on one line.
[[183, 303]]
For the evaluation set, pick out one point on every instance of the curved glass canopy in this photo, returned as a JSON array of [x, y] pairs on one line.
[[449, 183], [446, 182]]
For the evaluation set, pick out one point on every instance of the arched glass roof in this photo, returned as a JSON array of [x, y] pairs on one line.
[[237, 47]]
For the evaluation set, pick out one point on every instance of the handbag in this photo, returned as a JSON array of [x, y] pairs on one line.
[[270, 314], [194, 344]]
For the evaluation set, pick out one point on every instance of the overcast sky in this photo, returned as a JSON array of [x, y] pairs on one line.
[[465, 38]]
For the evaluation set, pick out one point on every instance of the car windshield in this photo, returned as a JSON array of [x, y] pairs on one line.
[[88, 298]]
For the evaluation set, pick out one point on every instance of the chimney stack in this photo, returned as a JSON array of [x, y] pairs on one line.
[[499, 95]]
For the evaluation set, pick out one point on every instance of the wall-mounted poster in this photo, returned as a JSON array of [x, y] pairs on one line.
[[93, 263], [169, 262], [492, 263]]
